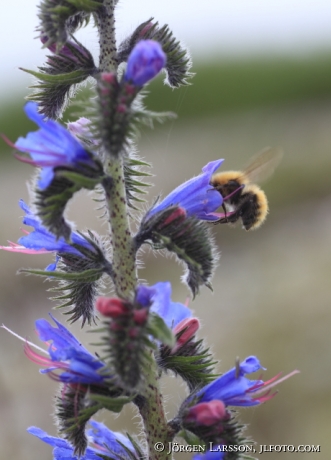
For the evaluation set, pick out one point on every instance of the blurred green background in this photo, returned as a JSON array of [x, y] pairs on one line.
[[272, 289]]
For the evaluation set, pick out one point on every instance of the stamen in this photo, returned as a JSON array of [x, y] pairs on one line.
[[24, 340], [271, 383]]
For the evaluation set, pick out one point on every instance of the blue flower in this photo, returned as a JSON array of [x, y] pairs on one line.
[[41, 241], [107, 440], [104, 440], [211, 454], [51, 146], [234, 389], [146, 60], [155, 299], [196, 196], [67, 355], [158, 298], [171, 312]]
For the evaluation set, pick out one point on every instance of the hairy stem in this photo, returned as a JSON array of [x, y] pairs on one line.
[[124, 267], [154, 419], [105, 20], [124, 263], [124, 256]]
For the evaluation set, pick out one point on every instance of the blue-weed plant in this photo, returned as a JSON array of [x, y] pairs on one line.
[[143, 332]]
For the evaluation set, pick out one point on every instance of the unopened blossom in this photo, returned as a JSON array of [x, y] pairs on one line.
[[184, 332], [71, 50], [145, 61], [207, 413]]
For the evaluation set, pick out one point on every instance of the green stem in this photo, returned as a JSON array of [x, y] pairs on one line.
[[152, 412], [105, 20], [124, 266], [124, 260], [124, 254]]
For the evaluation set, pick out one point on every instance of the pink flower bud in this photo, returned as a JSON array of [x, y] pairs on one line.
[[207, 414], [140, 316], [186, 329], [111, 307], [144, 31], [108, 77]]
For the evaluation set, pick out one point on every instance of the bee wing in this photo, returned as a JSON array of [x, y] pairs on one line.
[[263, 164]]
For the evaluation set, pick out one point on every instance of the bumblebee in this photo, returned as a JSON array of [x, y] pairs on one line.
[[243, 199]]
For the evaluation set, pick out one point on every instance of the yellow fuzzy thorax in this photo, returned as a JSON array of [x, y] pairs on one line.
[[224, 177]]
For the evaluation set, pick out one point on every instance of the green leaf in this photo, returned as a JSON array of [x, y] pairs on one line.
[[92, 274], [112, 404], [137, 447], [159, 330], [80, 180], [76, 76]]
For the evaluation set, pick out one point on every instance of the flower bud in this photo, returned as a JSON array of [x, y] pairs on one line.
[[207, 414], [145, 62], [184, 331], [110, 307], [140, 316], [144, 296], [72, 50]]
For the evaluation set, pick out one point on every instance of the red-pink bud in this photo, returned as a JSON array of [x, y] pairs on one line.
[[144, 31], [109, 77], [207, 413], [140, 316], [111, 307], [187, 329]]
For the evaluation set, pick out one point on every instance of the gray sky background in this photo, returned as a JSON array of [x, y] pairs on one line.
[[214, 27]]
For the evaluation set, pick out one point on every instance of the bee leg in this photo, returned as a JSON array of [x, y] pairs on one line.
[[224, 219], [224, 209]]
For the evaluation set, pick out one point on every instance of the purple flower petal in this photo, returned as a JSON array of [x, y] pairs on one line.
[[67, 354], [62, 449], [42, 239], [196, 195], [232, 387], [102, 437], [171, 312], [145, 61], [51, 146]]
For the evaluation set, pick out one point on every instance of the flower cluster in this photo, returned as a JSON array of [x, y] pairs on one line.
[[144, 333]]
